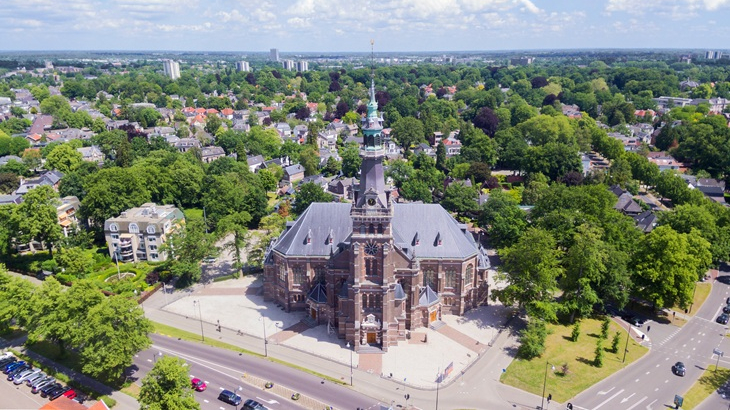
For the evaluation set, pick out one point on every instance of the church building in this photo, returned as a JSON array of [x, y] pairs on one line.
[[374, 269]]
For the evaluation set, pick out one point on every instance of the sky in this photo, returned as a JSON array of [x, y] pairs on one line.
[[349, 25]]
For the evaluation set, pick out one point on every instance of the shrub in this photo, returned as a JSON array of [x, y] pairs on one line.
[[598, 361], [269, 385], [604, 327], [575, 334], [615, 342], [108, 401], [532, 340]]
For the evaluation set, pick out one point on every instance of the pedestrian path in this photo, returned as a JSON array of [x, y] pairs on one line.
[[462, 339], [289, 332]]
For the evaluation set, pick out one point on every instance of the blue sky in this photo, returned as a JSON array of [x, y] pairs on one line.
[[348, 25]]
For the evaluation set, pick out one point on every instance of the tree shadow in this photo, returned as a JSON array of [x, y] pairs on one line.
[[583, 360]]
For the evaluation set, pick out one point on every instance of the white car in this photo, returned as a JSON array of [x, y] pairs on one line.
[[25, 375]]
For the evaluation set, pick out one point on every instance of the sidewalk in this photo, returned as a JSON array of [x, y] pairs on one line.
[[124, 402]]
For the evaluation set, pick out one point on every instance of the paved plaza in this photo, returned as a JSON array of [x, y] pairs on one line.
[[238, 305]]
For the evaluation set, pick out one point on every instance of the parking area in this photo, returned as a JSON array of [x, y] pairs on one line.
[[14, 397]]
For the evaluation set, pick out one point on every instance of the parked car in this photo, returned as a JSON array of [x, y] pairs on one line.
[[251, 404], [679, 369], [726, 309], [58, 393], [25, 376], [36, 377], [727, 301], [229, 397], [70, 394], [722, 319], [49, 388], [8, 368], [17, 371], [7, 360], [198, 384], [37, 386], [633, 320]]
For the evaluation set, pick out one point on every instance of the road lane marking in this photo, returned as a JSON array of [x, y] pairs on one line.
[[658, 365], [636, 381], [648, 372], [601, 393], [206, 401], [624, 400], [637, 403], [666, 381], [268, 401], [608, 399], [649, 406]]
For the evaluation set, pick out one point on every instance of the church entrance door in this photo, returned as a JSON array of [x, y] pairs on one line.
[[313, 313], [371, 337], [432, 316]]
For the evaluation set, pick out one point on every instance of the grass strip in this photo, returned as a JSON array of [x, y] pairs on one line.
[[708, 383]]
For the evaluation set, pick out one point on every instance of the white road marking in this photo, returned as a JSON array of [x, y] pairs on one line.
[[601, 393], [666, 381], [206, 401], [648, 372], [649, 406], [624, 400], [608, 399], [637, 403], [636, 381], [268, 401]]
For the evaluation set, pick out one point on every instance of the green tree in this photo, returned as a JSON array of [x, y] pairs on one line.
[[111, 191], [309, 159], [598, 360], [9, 182], [332, 167], [75, 261], [441, 157], [212, 124], [605, 326], [63, 158], [36, 218], [123, 154], [532, 340], [585, 270], [502, 219], [308, 193], [351, 160], [111, 334], [615, 341], [416, 190], [235, 225], [460, 198], [530, 268], [575, 333], [408, 131], [167, 387]]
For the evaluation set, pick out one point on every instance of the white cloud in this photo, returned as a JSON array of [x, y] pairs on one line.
[[676, 6]]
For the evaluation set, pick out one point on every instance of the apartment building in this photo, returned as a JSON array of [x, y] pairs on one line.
[[172, 69], [137, 234]]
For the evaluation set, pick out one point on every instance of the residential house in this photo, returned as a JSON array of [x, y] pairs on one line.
[[254, 162], [712, 188], [327, 139], [452, 145], [7, 158], [300, 133], [41, 124], [66, 212], [665, 161], [185, 144], [325, 154], [64, 403], [10, 199], [281, 162], [212, 153], [426, 149], [631, 144], [342, 187], [138, 233], [571, 111], [294, 173], [283, 129], [646, 221], [91, 154], [50, 178], [316, 180]]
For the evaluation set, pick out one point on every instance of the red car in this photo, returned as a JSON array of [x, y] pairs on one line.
[[198, 384], [70, 394]]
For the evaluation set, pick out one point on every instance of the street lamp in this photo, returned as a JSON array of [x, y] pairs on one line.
[[263, 323], [544, 384], [628, 336], [348, 348], [154, 356], [719, 354], [197, 302]]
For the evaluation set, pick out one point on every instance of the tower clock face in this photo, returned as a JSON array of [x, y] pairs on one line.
[[371, 248], [371, 201]]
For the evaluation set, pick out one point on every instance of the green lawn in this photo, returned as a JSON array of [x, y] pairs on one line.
[[193, 213], [709, 382], [529, 375]]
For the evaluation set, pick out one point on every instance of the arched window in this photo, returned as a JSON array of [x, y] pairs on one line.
[[151, 229], [469, 276], [133, 228], [114, 227], [430, 278], [452, 278]]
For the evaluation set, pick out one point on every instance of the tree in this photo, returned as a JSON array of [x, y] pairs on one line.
[[575, 333], [615, 341], [111, 334], [212, 124], [309, 159], [502, 219], [36, 218], [75, 261], [351, 160], [460, 198], [32, 159], [441, 157], [332, 167], [63, 158], [9, 182], [666, 267], [416, 190], [487, 121], [167, 387], [235, 225], [532, 340], [111, 191], [585, 267], [308, 193], [598, 360], [408, 131], [531, 268]]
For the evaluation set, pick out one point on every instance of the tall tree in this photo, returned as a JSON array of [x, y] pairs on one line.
[[585, 265], [408, 131], [530, 268], [167, 387], [111, 191], [235, 225], [351, 160], [37, 218], [308, 193], [502, 219], [63, 158]]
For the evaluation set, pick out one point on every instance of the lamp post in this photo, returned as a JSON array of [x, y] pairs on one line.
[[544, 385], [628, 336], [348, 348], [266, 349], [200, 312], [155, 356], [438, 384]]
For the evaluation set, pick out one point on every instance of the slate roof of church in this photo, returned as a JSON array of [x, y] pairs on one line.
[[408, 220]]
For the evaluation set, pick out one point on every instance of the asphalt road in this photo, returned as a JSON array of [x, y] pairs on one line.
[[223, 369], [649, 383]]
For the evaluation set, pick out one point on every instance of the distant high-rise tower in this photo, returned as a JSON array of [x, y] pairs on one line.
[[288, 64], [274, 54], [242, 66], [302, 66], [172, 69], [713, 55]]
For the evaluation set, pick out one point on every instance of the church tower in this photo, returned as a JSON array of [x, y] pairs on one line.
[[372, 241]]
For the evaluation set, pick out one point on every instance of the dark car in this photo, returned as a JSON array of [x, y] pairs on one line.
[[727, 301], [633, 320], [253, 405], [7, 360], [58, 393], [49, 388], [17, 372], [726, 309], [679, 369], [229, 397], [722, 319]]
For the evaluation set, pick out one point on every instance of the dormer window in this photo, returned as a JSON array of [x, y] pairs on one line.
[[114, 227], [151, 229], [133, 228]]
